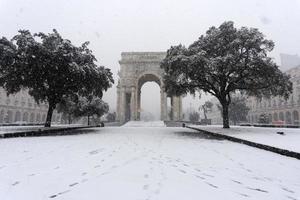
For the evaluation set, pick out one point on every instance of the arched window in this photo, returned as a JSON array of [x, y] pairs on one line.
[[275, 117], [25, 116], [270, 118], [44, 117], [296, 117], [9, 116], [32, 117], [281, 116], [18, 116], [288, 118], [38, 117]]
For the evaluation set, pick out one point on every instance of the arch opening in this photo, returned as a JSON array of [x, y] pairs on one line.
[[150, 102], [148, 98]]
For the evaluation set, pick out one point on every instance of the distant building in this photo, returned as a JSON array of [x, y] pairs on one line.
[[277, 109], [214, 113], [289, 61], [22, 107]]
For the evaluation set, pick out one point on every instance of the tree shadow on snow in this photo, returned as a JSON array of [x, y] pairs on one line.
[[198, 135]]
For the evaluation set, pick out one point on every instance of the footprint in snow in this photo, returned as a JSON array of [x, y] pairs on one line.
[[288, 190], [95, 151], [60, 193], [83, 174], [244, 195], [197, 176], [257, 189], [248, 170], [63, 192], [212, 185], [15, 183], [73, 184], [204, 174], [182, 171], [236, 182], [289, 197]]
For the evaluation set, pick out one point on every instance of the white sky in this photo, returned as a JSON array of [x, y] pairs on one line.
[[114, 26]]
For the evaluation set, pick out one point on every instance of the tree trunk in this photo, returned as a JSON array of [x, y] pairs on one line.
[[88, 120], [49, 114], [70, 119], [225, 115], [204, 112]]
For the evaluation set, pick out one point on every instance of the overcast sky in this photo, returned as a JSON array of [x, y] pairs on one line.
[[114, 26]]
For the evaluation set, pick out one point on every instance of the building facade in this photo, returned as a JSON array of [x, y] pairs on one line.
[[21, 107], [214, 114], [278, 109]]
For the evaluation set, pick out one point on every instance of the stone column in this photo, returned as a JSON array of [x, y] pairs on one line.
[[138, 104], [172, 108], [123, 105], [133, 104], [163, 105], [118, 104], [176, 103]]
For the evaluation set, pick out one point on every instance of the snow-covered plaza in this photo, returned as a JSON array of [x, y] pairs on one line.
[[142, 163]]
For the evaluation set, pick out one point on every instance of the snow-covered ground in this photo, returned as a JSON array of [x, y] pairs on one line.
[[139, 163], [290, 140], [145, 124]]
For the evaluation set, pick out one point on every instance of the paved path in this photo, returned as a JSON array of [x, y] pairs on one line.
[[142, 163]]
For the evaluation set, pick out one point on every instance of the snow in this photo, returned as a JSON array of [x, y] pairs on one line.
[[139, 163], [145, 124], [290, 140]]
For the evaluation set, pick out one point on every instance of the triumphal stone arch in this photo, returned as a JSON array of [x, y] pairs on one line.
[[138, 68]]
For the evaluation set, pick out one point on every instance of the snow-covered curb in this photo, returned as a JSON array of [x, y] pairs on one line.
[[250, 143], [43, 132]]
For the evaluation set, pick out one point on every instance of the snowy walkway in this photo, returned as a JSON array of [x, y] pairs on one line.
[[290, 140], [139, 163], [145, 124]]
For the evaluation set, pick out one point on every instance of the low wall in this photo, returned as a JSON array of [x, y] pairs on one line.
[[249, 143], [45, 132]]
